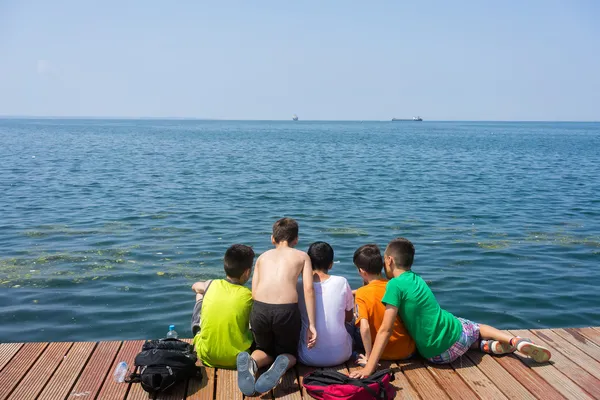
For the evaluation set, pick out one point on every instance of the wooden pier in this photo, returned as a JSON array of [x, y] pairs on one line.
[[83, 370]]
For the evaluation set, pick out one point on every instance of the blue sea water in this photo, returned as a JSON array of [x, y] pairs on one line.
[[105, 224]]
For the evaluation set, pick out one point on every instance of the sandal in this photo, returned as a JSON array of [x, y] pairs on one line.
[[538, 353], [270, 379], [496, 347]]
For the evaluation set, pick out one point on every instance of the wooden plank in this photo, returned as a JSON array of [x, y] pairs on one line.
[[303, 370], [96, 370], [557, 378], [477, 381], [264, 396], [227, 387], [112, 390], [136, 392], [451, 382], [7, 351], [289, 387], [499, 376], [67, 373], [202, 389], [528, 378], [580, 341], [570, 351], [422, 380], [35, 380], [590, 333], [563, 364], [21, 362], [404, 389], [177, 392]]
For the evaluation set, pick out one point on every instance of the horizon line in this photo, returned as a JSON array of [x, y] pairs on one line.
[[142, 118]]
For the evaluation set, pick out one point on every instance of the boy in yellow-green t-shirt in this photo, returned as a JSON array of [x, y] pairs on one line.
[[221, 317]]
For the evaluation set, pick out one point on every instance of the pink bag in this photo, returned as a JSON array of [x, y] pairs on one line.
[[331, 385]]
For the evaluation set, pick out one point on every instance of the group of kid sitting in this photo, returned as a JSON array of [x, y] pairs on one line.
[[320, 321]]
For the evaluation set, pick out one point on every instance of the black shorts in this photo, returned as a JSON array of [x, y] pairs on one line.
[[276, 327]]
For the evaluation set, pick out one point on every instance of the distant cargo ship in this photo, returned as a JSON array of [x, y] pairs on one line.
[[413, 119], [294, 117]]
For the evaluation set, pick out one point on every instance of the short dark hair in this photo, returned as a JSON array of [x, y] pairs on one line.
[[369, 259], [402, 251], [238, 259], [321, 256], [285, 229]]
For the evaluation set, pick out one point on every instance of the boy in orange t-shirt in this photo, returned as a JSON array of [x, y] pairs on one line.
[[369, 308]]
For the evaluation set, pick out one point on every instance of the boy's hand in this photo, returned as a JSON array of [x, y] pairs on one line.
[[362, 360], [311, 337], [361, 373]]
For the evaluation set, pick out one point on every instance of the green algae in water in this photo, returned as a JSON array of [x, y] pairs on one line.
[[562, 239], [159, 216], [345, 231], [494, 245], [460, 263]]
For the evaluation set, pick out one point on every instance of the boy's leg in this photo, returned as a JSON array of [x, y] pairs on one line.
[[489, 332], [247, 366], [287, 325], [262, 359], [508, 344], [196, 314]]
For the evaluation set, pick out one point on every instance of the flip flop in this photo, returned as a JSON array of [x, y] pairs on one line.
[[246, 378], [270, 379], [538, 353]]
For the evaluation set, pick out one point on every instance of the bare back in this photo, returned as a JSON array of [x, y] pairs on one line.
[[276, 274]]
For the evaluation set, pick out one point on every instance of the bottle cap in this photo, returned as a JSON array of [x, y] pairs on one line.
[[171, 327]]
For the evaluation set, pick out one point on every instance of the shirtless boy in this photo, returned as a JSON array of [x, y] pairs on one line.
[[275, 318]]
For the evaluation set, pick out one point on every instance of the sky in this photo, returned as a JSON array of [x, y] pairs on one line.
[[322, 60]]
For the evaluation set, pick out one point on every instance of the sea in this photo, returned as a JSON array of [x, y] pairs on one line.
[[106, 224]]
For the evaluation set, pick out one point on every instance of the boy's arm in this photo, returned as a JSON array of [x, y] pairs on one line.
[[365, 334], [200, 287], [255, 276], [309, 298], [383, 336]]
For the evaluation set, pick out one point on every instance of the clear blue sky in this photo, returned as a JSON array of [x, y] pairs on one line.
[[449, 60]]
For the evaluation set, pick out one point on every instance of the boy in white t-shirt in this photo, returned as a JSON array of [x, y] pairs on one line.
[[334, 307]]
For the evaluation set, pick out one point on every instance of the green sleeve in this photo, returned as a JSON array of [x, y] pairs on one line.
[[392, 294]]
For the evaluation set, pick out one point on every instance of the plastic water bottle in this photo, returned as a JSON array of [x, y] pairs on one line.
[[172, 334], [120, 372]]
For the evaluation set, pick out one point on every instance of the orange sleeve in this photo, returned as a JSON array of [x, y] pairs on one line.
[[361, 310]]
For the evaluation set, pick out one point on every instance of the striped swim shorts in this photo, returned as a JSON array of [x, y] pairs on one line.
[[469, 335]]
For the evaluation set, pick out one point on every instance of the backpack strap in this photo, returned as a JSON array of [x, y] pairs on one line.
[[337, 378], [134, 377], [360, 383]]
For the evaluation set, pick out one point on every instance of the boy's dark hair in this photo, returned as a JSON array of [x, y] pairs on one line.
[[402, 251], [238, 259], [369, 259], [321, 256], [285, 229]]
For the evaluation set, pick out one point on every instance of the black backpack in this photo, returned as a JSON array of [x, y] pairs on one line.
[[164, 362]]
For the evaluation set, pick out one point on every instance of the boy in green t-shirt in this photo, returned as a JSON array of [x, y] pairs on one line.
[[440, 336], [221, 317]]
